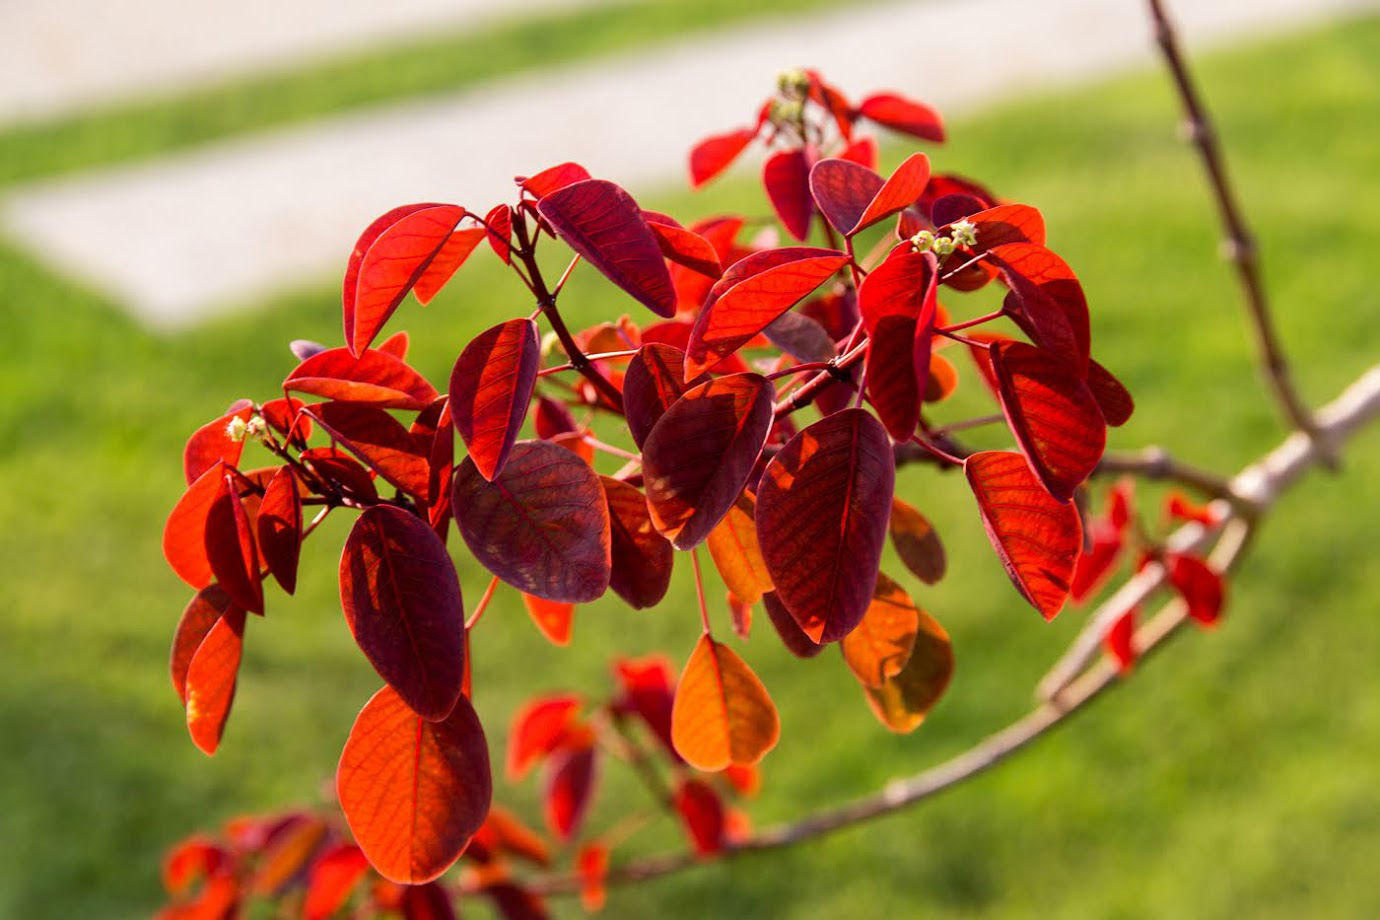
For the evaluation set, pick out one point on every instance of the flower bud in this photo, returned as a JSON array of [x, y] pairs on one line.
[[943, 246], [922, 241], [236, 428], [964, 232]]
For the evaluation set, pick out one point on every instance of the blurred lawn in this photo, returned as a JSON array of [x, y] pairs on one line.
[[1237, 777]]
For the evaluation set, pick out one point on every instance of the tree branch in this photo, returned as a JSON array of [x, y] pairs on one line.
[[1239, 245]]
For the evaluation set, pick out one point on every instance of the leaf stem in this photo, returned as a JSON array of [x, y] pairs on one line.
[[483, 604], [699, 592]]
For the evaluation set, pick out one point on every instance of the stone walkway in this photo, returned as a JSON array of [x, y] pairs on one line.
[[182, 237]]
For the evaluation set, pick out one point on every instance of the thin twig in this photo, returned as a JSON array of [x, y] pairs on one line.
[[1156, 463], [1263, 482], [1239, 244]]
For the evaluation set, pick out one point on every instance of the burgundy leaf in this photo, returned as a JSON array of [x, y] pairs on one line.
[[490, 388], [699, 455], [655, 379], [792, 636], [1048, 301], [379, 441], [702, 813], [603, 224], [279, 527], [401, 597], [231, 548], [822, 512], [1037, 537], [569, 785], [209, 605], [843, 189], [899, 303], [541, 524], [786, 176], [342, 471], [499, 223], [1112, 397], [641, 557]]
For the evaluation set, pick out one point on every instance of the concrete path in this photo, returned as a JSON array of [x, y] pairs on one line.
[[184, 236]]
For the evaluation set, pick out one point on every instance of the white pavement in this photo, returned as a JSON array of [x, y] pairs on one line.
[[182, 237]]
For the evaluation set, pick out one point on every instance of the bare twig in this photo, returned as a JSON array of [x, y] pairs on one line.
[[1262, 482], [1156, 463], [1239, 245]]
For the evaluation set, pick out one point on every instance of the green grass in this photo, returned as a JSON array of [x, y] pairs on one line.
[[1235, 775], [449, 61]]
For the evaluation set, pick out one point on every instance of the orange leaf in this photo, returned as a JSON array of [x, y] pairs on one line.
[[881, 644], [722, 713], [903, 701], [737, 554], [555, 619], [413, 791], [917, 543]]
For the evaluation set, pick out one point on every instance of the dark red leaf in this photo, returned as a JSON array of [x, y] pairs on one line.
[[184, 535], [499, 223], [212, 442], [843, 189], [513, 902], [211, 678], [904, 115], [552, 417], [413, 791], [279, 526], [822, 512], [950, 208], [654, 380], [542, 524], [389, 258], [1037, 537], [641, 557], [287, 856], [231, 548], [800, 337], [201, 614], [401, 597], [379, 441], [676, 333], [1052, 414], [699, 455], [343, 471], [792, 636], [374, 377], [713, 155], [539, 727], [702, 813], [490, 388], [751, 294], [1048, 301], [333, 876], [786, 176], [1200, 587], [603, 224], [917, 543], [553, 179], [898, 300], [427, 902], [648, 691], [722, 713], [1112, 398], [568, 787]]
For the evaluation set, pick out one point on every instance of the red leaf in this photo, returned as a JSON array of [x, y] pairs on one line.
[[490, 388], [713, 155], [451, 256], [284, 415], [904, 115], [502, 833], [569, 783], [722, 713], [1112, 397], [287, 854], [552, 417], [343, 471], [539, 727], [654, 380], [701, 452], [389, 258], [333, 876], [1097, 563], [786, 176], [212, 442], [413, 791], [396, 344], [702, 813], [184, 535], [603, 224], [685, 247], [211, 679], [380, 442], [401, 598], [593, 865], [555, 619], [1007, 223], [374, 377], [902, 188], [279, 526], [822, 512], [230, 547], [917, 543], [499, 223], [553, 179], [191, 859], [542, 524], [1200, 587], [792, 636], [647, 691], [641, 557], [1053, 416], [427, 902], [202, 612], [1037, 537], [898, 300], [752, 293], [843, 189], [1120, 642], [1049, 304], [863, 151]]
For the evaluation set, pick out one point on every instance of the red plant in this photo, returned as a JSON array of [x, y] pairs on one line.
[[769, 393]]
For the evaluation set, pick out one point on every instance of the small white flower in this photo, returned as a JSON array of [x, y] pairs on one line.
[[236, 428], [943, 246], [922, 241], [256, 427], [964, 232]]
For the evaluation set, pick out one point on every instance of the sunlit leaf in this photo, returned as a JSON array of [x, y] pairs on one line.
[[713, 155], [1112, 397], [212, 442], [905, 115], [373, 377], [490, 389], [903, 701], [647, 691], [592, 863], [881, 644], [822, 512], [231, 547], [287, 855], [184, 535], [539, 727], [1047, 301], [452, 255], [201, 614], [685, 247], [603, 224], [737, 554], [387, 261], [917, 543], [698, 456], [1037, 537], [843, 189], [379, 441], [401, 598], [722, 713], [1200, 587], [898, 302], [654, 380], [413, 791], [504, 834], [553, 179], [1120, 642], [499, 226], [211, 678], [542, 524], [331, 879], [554, 619]]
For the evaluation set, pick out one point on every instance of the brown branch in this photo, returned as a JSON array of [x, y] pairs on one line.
[[1262, 483], [1239, 245], [1156, 463]]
